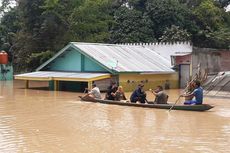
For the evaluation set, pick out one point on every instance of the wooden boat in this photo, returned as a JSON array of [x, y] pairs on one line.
[[202, 107]]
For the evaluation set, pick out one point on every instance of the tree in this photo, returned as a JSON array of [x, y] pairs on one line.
[[42, 26], [91, 25], [165, 13], [175, 34], [34, 27], [10, 24], [6, 5], [214, 25], [36, 59], [131, 26], [208, 15], [224, 3], [191, 3]]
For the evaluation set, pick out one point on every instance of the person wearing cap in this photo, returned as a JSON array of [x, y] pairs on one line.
[[93, 94], [138, 94], [160, 96]]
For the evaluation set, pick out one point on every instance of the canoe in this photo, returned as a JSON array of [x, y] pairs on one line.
[[203, 107]]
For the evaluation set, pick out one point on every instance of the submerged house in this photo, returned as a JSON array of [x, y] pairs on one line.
[[78, 65]]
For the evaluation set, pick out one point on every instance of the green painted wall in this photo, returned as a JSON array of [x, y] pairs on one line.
[[6, 72], [90, 65], [68, 61], [74, 61]]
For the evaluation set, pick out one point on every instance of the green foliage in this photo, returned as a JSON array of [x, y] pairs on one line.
[[209, 16], [191, 3], [32, 27], [219, 38], [214, 25], [5, 5], [9, 26], [224, 3], [131, 26], [50, 4], [165, 13], [175, 34], [36, 59], [91, 25]]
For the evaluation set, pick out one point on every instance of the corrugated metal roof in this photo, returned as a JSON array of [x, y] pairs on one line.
[[167, 50], [51, 75], [126, 58]]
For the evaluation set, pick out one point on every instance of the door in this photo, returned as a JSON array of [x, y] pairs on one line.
[[184, 73]]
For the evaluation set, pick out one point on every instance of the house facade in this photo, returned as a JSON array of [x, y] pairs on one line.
[[78, 65]]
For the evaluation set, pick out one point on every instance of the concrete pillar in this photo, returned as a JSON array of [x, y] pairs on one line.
[[90, 83], [56, 85], [27, 84]]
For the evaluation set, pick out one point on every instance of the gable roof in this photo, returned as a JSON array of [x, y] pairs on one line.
[[121, 58]]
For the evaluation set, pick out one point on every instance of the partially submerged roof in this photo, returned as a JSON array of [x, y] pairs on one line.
[[218, 85], [167, 50], [62, 76], [121, 58]]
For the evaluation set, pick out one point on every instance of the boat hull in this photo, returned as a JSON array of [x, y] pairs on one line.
[[203, 107]]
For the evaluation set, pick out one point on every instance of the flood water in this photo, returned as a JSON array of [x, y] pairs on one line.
[[41, 121]]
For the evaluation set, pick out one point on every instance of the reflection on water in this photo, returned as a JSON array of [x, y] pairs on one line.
[[46, 121]]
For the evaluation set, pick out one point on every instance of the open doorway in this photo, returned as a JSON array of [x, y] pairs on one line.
[[184, 74]]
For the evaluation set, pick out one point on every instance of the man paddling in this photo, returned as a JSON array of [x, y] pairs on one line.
[[197, 93], [161, 96]]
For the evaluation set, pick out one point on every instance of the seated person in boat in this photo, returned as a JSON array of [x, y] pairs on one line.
[[197, 93], [138, 94], [93, 94], [119, 94], [110, 94], [160, 96], [190, 88]]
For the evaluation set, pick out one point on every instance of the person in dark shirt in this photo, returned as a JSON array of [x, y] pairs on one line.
[[110, 95], [138, 95]]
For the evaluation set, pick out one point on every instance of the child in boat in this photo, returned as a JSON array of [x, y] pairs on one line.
[[92, 94], [119, 94], [138, 94], [197, 93], [160, 96]]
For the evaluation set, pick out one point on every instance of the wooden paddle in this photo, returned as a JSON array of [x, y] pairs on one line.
[[174, 103], [180, 95]]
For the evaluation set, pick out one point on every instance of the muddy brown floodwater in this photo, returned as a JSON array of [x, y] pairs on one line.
[[40, 121]]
